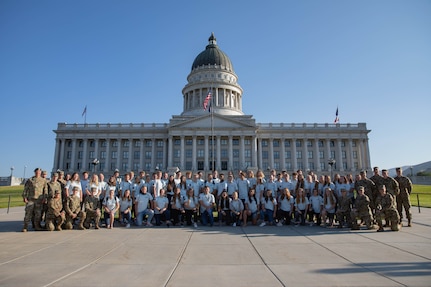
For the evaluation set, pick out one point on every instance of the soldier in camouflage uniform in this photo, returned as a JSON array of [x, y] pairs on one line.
[[403, 199], [54, 215], [344, 206], [370, 188], [63, 183], [386, 209], [361, 210], [376, 178], [390, 183], [91, 210], [72, 208], [34, 195]]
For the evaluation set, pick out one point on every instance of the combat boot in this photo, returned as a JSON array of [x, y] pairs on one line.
[[37, 226], [409, 223], [59, 228], [81, 226]]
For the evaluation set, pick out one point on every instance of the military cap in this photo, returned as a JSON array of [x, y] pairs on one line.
[[55, 174], [37, 169], [44, 172]]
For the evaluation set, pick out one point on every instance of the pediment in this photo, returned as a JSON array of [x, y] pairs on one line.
[[216, 121]]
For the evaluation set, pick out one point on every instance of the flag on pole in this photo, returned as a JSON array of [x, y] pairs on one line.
[[85, 111], [336, 116], [207, 102]]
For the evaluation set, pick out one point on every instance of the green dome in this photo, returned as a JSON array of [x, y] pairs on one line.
[[212, 56]]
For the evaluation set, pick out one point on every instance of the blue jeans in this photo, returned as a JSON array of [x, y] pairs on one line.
[[126, 216], [269, 214], [158, 217], [207, 215], [140, 216]]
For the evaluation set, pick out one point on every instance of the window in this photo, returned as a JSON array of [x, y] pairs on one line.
[[125, 166], [200, 165], [321, 143], [91, 155], [300, 165], [223, 141], [92, 143], [148, 143], [276, 155], [332, 143], [159, 155], [137, 155], [275, 143], [264, 154], [236, 153], [288, 165], [148, 155], [80, 143], [136, 166], [103, 144], [309, 143], [265, 143], [189, 142], [160, 143], [298, 143], [321, 154], [276, 165], [69, 155], [114, 143], [223, 153], [69, 143], [200, 153], [355, 154], [353, 143], [343, 143], [188, 165], [126, 143], [148, 165], [247, 141], [299, 154], [332, 154], [177, 142], [287, 155], [344, 165], [247, 153], [137, 143], [201, 142], [177, 153], [114, 154], [113, 166], [125, 154], [343, 154], [80, 154], [311, 165], [310, 154], [189, 153], [322, 166], [103, 154], [235, 142], [287, 143]]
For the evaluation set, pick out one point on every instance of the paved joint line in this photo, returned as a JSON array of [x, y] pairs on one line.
[[179, 259], [261, 258], [348, 260]]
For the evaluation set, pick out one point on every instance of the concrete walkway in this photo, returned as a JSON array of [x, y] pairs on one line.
[[215, 256]]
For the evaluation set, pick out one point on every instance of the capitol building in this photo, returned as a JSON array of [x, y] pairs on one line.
[[223, 139]]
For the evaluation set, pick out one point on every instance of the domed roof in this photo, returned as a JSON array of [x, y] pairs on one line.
[[212, 56]]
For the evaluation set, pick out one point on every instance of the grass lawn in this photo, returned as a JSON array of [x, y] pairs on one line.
[[423, 191]]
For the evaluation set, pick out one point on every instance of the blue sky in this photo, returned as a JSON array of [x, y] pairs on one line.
[[296, 61]]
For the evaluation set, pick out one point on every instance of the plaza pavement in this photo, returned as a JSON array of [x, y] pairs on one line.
[[215, 256]]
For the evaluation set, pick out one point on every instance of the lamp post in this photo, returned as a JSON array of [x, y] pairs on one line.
[[331, 162], [25, 167], [95, 162], [411, 171], [11, 171]]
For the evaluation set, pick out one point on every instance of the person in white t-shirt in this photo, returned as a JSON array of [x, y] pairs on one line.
[[251, 207], [110, 206], [207, 203], [191, 206], [316, 205], [236, 209], [285, 207], [161, 204]]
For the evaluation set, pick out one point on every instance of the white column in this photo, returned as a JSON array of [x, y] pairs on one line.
[[73, 156], [283, 151], [165, 152], [218, 165], [367, 154], [153, 153], [241, 152], [230, 152], [206, 163], [350, 159], [306, 166], [271, 152], [170, 152], [119, 142], [254, 151], [339, 155], [194, 152], [85, 155], [259, 153], [108, 156], [96, 151], [63, 144], [141, 154], [317, 155], [56, 154], [328, 154], [129, 163], [182, 151]]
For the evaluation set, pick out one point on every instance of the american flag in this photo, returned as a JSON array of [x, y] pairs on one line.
[[336, 116], [207, 100], [85, 111]]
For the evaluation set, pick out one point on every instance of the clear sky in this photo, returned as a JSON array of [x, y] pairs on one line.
[[296, 61]]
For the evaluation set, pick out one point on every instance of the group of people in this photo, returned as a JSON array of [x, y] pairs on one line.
[[81, 201]]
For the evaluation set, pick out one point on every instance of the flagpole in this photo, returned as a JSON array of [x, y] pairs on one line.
[[212, 130]]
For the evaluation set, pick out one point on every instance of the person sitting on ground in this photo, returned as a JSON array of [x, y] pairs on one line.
[[91, 209], [361, 210], [110, 206], [144, 207], [269, 208], [73, 208], [161, 208], [386, 209], [251, 208], [329, 205], [54, 215], [236, 209], [316, 205], [285, 207], [301, 206], [224, 208], [126, 204], [344, 208]]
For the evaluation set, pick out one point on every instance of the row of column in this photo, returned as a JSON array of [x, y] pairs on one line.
[[221, 98], [362, 150]]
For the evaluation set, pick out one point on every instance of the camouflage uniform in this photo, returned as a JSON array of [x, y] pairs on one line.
[[370, 189], [391, 186], [92, 211], [34, 194], [386, 209], [361, 210], [377, 179], [54, 216], [343, 210], [403, 198], [72, 206]]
